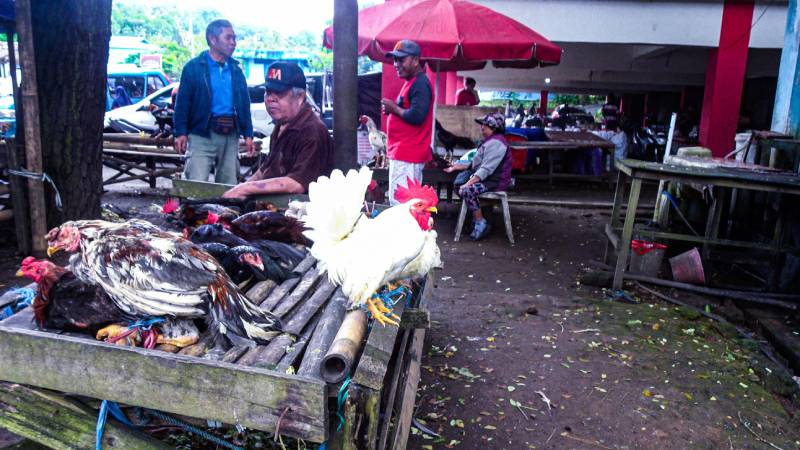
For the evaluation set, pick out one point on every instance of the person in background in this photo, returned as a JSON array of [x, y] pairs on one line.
[[213, 109], [120, 98], [300, 148], [489, 170], [468, 96], [409, 126]]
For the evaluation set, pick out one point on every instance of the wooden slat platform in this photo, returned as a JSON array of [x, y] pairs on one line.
[[253, 387]]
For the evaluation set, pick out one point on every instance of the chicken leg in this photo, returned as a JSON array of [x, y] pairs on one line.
[[119, 334], [381, 313]]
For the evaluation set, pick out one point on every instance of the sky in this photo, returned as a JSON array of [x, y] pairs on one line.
[[285, 16]]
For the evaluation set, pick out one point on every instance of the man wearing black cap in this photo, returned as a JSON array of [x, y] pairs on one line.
[[300, 149], [409, 126], [212, 109]]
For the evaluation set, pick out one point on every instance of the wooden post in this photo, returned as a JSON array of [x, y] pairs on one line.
[[33, 138], [345, 82], [19, 195]]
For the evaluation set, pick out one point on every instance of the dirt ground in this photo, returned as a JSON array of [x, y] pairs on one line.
[[513, 329]]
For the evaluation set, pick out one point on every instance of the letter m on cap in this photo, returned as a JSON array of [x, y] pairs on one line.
[[274, 74]]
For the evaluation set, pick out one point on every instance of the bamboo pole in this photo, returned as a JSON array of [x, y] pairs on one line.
[[259, 292], [323, 335], [293, 352], [303, 289], [270, 354], [33, 138], [339, 360]]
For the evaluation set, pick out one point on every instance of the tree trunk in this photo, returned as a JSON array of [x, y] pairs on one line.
[[71, 45]]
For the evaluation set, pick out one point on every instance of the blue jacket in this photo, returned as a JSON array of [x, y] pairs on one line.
[[193, 105]]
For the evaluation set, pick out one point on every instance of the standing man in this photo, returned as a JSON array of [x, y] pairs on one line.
[[409, 126], [213, 109], [468, 96]]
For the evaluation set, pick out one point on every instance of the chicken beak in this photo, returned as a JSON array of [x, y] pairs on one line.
[[52, 251], [19, 273], [433, 209]]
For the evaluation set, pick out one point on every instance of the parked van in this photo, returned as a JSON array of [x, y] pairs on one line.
[[138, 82]]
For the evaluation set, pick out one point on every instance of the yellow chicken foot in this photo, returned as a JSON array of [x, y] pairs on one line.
[[379, 312], [119, 334]]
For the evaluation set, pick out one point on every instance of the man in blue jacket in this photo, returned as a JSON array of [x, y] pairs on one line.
[[213, 109]]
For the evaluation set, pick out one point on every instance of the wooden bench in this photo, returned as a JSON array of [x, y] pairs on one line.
[[501, 197]]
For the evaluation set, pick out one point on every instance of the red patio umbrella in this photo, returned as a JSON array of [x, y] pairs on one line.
[[456, 34]]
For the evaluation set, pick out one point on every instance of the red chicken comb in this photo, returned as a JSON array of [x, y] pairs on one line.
[[372, 185], [212, 218], [416, 190], [27, 261], [170, 206]]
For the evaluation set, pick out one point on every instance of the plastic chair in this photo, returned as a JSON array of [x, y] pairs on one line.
[[496, 196]]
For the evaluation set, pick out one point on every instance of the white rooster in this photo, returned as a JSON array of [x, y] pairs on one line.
[[377, 139], [361, 254]]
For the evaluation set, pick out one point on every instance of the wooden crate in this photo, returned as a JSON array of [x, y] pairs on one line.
[[256, 387]]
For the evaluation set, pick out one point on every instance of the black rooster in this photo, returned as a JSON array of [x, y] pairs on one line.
[[273, 226], [450, 141], [285, 255], [244, 262]]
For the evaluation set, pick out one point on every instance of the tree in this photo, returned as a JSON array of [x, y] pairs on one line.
[[71, 47]]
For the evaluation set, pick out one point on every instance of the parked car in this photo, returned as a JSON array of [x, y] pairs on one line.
[[138, 82], [566, 115], [132, 118]]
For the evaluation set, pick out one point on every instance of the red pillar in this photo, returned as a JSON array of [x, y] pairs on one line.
[[725, 78], [452, 87], [543, 103], [431, 71]]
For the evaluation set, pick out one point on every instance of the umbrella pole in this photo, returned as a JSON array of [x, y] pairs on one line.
[[435, 101]]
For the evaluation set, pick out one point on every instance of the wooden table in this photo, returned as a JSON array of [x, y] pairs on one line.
[[637, 171], [436, 177], [563, 140], [141, 165]]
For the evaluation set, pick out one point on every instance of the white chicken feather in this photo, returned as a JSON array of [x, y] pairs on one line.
[[362, 254]]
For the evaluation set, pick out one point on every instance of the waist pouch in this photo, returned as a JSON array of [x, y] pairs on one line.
[[223, 124]]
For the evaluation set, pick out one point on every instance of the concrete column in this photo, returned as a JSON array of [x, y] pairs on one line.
[[543, 103], [452, 87], [786, 115], [725, 78]]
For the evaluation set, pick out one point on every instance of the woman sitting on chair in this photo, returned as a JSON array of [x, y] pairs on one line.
[[490, 170]]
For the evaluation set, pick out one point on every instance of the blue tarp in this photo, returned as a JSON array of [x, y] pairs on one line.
[[6, 14]]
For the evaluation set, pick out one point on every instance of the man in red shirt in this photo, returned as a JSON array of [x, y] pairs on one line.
[[468, 96], [409, 126]]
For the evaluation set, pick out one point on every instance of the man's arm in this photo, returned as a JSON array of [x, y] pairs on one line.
[[280, 185], [420, 95], [182, 103]]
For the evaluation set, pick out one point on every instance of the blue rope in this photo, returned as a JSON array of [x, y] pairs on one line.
[[107, 407], [101, 425], [26, 298], [146, 324], [341, 397]]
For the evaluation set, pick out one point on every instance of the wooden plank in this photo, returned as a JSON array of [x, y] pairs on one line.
[[377, 352], [137, 139], [323, 335], [201, 189], [195, 387], [412, 374], [57, 422], [627, 231], [390, 391], [409, 391], [415, 318]]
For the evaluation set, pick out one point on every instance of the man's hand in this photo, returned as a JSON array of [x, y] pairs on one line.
[[181, 142], [250, 146], [239, 191], [389, 106]]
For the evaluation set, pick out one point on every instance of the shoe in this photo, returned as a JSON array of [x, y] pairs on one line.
[[480, 230]]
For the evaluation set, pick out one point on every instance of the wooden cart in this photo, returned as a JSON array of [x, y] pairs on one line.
[[274, 388]]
